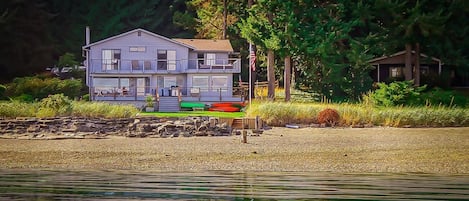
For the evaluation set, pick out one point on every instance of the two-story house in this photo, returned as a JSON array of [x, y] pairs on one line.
[[133, 65]]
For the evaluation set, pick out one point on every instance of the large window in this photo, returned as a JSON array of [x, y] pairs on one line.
[[200, 82], [105, 86], [166, 60], [111, 59], [219, 83]]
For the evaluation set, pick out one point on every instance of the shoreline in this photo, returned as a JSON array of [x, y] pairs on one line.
[[335, 150]]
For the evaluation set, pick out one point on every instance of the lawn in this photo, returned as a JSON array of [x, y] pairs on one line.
[[195, 113]]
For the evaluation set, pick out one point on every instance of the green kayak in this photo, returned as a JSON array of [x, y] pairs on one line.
[[192, 105]]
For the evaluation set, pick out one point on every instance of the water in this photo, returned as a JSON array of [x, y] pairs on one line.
[[225, 185]]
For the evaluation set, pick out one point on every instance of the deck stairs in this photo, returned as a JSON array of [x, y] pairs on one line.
[[168, 104]]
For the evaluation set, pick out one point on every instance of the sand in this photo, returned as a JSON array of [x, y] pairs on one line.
[[341, 150]]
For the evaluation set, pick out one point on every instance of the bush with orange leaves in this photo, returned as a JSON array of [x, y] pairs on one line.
[[328, 116]]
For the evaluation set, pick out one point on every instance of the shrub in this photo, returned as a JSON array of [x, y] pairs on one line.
[[439, 97], [2, 92], [396, 93], [330, 117], [24, 98], [39, 87], [57, 104], [86, 97]]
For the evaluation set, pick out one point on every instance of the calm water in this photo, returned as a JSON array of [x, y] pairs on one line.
[[225, 185]]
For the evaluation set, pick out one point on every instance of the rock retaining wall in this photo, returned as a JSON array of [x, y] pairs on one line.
[[74, 127]]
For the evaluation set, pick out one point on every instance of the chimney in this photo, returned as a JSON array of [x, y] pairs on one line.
[[87, 35]]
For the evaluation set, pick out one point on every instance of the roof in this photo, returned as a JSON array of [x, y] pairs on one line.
[[208, 44], [399, 54], [137, 30]]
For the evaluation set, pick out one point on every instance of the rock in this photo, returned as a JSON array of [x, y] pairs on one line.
[[33, 129], [201, 133], [73, 127]]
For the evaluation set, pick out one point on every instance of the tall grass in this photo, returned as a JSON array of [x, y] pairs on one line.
[[281, 113], [79, 109], [101, 109], [11, 109]]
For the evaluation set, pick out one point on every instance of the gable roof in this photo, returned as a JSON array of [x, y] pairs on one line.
[[208, 44], [134, 31], [376, 60]]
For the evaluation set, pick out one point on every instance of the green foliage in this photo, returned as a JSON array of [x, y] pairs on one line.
[[55, 105], [439, 97], [150, 101], [39, 88], [396, 93], [12, 109], [67, 60], [2, 92], [24, 98], [86, 97]]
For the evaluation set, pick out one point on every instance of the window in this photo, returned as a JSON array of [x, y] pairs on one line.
[[200, 59], [169, 82], [200, 82], [162, 60], [166, 60], [210, 59], [137, 49], [219, 83], [424, 70], [395, 71], [105, 86], [111, 59]]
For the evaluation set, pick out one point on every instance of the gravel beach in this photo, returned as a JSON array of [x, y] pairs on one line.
[[344, 150]]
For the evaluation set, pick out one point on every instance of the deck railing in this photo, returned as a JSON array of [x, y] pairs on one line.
[[162, 66], [140, 93]]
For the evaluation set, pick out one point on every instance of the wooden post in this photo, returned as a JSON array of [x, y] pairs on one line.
[[245, 136], [257, 123], [244, 132]]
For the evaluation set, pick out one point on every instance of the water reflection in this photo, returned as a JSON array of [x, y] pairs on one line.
[[225, 185]]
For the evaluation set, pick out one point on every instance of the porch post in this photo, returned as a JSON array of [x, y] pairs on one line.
[[378, 74], [439, 67]]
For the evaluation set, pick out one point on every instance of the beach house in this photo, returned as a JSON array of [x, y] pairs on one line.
[[131, 66]]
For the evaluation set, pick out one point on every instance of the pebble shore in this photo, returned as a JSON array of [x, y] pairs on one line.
[[366, 150]]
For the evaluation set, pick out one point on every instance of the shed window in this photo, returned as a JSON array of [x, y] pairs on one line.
[[395, 72]]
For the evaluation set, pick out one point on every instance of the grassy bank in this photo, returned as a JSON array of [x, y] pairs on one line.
[[273, 113], [280, 113], [77, 108]]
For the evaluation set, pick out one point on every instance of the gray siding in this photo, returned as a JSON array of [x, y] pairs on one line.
[[152, 44]]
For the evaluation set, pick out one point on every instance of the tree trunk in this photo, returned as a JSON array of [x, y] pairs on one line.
[[225, 16], [286, 78], [417, 64], [270, 75], [408, 62]]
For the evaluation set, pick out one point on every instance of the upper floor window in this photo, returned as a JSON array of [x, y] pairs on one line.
[[210, 59], [166, 60], [137, 49], [111, 59]]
